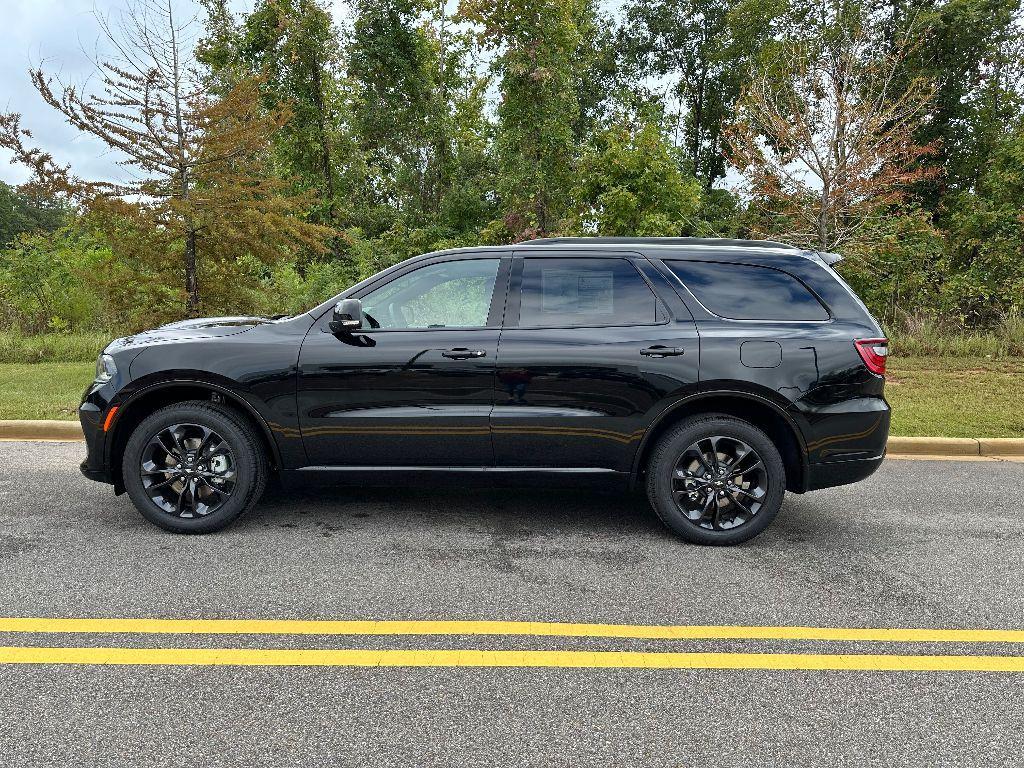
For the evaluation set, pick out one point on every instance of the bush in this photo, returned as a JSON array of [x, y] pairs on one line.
[[46, 281], [51, 347], [892, 265], [925, 337]]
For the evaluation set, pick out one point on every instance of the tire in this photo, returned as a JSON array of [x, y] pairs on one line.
[[692, 487], [193, 467]]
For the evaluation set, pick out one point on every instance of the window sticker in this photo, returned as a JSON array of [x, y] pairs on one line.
[[568, 291]]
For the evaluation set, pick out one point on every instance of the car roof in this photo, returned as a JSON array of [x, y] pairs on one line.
[[699, 247], [717, 242]]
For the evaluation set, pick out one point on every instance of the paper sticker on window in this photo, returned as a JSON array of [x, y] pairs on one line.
[[569, 291]]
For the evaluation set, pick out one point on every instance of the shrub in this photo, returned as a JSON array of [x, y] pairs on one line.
[[16, 347], [46, 281]]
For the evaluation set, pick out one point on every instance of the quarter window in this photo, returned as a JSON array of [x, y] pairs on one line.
[[451, 294], [584, 292], [744, 292]]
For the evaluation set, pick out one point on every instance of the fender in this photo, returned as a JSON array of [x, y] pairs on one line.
[[689, 400], [228, 392]]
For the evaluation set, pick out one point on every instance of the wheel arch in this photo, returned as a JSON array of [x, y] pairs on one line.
[[759, 411], [145, 401]]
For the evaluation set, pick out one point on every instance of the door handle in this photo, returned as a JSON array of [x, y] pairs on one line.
[[660, 351], [461, 353]]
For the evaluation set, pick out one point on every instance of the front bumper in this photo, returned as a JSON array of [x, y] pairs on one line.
[[91, 414]]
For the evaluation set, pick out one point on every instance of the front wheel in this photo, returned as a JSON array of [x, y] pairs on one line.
[[193, 467], [716, 479]]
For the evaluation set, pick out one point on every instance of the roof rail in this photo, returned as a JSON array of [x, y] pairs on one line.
[[657, 241]]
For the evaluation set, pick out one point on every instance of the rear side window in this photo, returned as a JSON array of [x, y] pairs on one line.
[[743, 292], [584, 292]]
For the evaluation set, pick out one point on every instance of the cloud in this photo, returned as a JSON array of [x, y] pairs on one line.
[[61, 36], [53, 33]]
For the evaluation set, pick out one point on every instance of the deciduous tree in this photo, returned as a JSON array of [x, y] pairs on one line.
[[631, 185], [536, 42], [825, 136], [196, 165], [699, 52]]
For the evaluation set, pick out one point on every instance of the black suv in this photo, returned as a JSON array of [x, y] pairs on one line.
[[715, 374]]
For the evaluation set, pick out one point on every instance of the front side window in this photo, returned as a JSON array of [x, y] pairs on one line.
[[584, 292], [744, 292], [451, 294]]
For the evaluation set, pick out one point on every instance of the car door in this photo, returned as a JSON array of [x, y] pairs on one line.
[[414, 386], [588, 355]]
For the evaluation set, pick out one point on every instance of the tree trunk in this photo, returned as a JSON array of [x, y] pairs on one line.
[[325, 155], [191, 273]]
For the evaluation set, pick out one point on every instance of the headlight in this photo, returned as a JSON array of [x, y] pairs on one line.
[[105, 369]]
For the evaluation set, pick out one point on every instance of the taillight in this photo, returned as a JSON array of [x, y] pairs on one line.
[[873, 352]]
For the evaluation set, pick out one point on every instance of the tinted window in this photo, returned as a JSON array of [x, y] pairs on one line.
[[743, 292], [452, 294], [580, 292]]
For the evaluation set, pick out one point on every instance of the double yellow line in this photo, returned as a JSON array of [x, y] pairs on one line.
[[505, 658]]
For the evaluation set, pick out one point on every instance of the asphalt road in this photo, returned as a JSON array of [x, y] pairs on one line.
[[922, 544]]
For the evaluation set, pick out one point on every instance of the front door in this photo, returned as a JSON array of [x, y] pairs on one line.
[[414, 386], [587, 355]]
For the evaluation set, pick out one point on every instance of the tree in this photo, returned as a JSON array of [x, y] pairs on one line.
[[393, 86], [973, 51], [824, 137], [200, 161], [631, 185], [537, 42], [417, 105], [292, 46], [983, 278], [22, 213], [703, 49]]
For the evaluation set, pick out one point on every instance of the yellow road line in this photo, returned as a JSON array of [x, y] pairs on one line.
[[519, 628], [486, 658]]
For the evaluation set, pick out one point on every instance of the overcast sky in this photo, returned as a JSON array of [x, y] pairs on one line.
[[59, 34]]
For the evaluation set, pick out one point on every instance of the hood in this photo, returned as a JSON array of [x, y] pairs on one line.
[[198, 328], [211, 325]]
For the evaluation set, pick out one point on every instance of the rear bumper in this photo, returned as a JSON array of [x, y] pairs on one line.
[[833, 473], [845, 441]]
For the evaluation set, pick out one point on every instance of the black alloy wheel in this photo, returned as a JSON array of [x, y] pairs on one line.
[[716, 479], [720, 483], [193, 467], [188, 470]]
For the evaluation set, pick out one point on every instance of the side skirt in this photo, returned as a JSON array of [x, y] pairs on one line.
[[596, 477]]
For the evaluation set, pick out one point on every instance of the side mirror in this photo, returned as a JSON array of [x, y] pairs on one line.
[[348, 316]]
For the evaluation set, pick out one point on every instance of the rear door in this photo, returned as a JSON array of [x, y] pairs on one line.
[[587, 354]]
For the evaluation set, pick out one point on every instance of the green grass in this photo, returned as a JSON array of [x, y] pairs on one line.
[[956, 397], [43, 390], [930, 396]]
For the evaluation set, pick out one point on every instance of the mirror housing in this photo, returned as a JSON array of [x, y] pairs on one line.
[[347, 317]]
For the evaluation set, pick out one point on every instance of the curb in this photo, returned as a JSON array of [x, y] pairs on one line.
[[26, 429], [955, 446], [31, 429]]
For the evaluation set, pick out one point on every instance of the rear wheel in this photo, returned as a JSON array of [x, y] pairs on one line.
[[716, 479], [193, 467]]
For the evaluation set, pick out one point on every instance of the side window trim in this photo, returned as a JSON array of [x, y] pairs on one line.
[[513, 305], [495, 311], [691, 296]]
